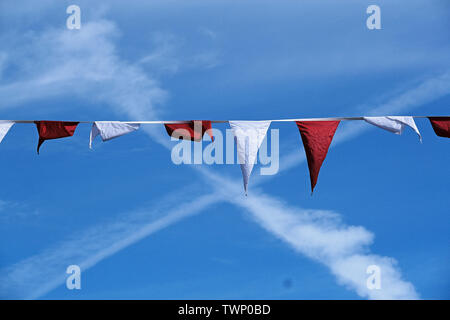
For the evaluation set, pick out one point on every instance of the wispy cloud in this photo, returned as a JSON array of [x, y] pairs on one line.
[[84, 63], [172, 55], [11, 211]]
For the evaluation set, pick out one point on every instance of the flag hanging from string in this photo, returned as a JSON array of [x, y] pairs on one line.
[[49, 130], [191, 130], [110, 129], [441, 126], [4, 128], [316, 137], [248, 136], [394, 124]]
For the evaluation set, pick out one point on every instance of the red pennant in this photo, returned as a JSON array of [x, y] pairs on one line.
[[316, 137], [189, 127], [441, 126], [54, 130]]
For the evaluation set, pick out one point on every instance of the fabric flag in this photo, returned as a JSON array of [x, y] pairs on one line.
[[394, 124], [4, 128], [248, 136], [316, 137], [110, 129], [192, 130], [54, 130], [441, 126]]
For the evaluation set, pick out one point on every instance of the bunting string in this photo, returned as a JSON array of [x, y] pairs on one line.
[[226, 121], [316, 133]]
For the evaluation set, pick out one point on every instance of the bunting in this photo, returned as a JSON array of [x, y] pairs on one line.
[[248, 136], [394, 124], [49, 130], [4, 128], [191, 130], [110, 129], [316, 137], [316, 134], [441, 126]]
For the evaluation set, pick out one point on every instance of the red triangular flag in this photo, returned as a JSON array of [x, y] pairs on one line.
[[316, 137], [54, 130], [192, 129], [441, 126]]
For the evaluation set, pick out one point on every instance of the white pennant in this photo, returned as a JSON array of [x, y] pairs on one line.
[[248, 135], [110, 129], [4, 128], [394, 124]]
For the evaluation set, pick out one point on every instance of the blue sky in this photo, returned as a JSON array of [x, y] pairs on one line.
[[141, 227]]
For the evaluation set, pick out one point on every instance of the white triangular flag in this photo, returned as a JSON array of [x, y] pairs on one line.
[[394, 124], [110, 129], [248, 135], [4, 128]]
